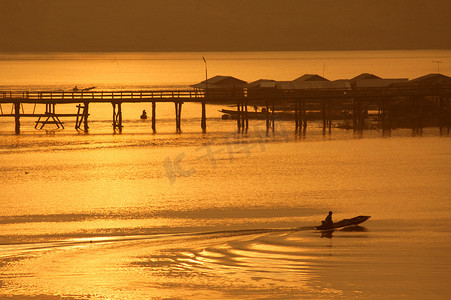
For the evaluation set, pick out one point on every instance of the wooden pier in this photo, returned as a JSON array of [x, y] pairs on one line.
[[420, 103]]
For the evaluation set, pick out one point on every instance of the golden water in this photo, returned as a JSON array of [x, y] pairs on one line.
[[220, 215]]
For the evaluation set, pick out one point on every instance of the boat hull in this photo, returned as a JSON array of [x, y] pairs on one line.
[[344, 223]]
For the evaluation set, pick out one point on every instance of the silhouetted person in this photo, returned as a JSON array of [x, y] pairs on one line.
[[328, 221], [144, 115], [255, 108]]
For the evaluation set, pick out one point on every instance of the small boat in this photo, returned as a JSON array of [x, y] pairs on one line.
[[76, 89], [262, 115], [257, 115], [343, 223]]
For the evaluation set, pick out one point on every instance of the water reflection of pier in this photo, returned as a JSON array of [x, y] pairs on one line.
[[398, 105]]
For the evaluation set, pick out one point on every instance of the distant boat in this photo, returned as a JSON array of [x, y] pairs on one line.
[[76, 89], [312, 114], [278, 115], [259, 115]]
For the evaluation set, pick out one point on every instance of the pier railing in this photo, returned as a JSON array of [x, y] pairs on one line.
[[419, 104], [214, 95], [101, 96]]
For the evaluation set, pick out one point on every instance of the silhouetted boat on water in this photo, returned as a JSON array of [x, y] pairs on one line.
[[258, 115], [77, 89], [262, 115], [343, 223]]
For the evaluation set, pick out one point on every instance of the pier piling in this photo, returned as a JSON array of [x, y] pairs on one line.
[[85, 116], [246, 116], [268, 124], [117, 116], [273, 116], [296, 117], [178, 113], [77, 126], [416, 116], [114, 116], [17, 117], [358, 116], [154, 112], [303, 119], [204, 118], [385, 118], [323, 111], [81, 115], [239, 116]]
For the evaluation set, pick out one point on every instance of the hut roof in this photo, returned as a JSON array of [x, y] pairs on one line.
[[433, 79], [310, 77], [367, 80], [220, 81], [262, 83], [365, 76], [378, 83], [310, 85]]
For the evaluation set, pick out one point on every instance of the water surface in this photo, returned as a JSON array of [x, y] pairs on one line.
[[220, 215]]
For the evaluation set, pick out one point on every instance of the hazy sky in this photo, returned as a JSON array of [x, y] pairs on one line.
[[223, 25]]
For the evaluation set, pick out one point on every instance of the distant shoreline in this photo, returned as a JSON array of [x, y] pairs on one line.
[[106, 51]]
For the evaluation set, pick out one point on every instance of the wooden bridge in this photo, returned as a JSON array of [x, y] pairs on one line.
[[84, 98], [303, 104]]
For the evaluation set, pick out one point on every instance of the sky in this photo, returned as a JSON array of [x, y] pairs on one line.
[[223, 25]]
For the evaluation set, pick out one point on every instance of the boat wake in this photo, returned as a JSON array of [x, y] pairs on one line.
[[32, 244], [254, 260]]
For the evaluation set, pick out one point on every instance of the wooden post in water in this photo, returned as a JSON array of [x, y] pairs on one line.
[[448, 122], [78, 117], [178, 113], [440, 115], [296, 116], [203, 123], [444, 115], [246, 116], [176, 117], [154, 107], [180, 116], [329, 118], [385, 117], [361, 114], [324, 108], [17, 116], [267, 117], [238, 108], [413, 118], [273, 116], [114, 116], [415, 115], [119, 112], [303, 119], [354, 116], [117, 117], [85, 116], [420, 123], [242, 117], [358, 116]]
